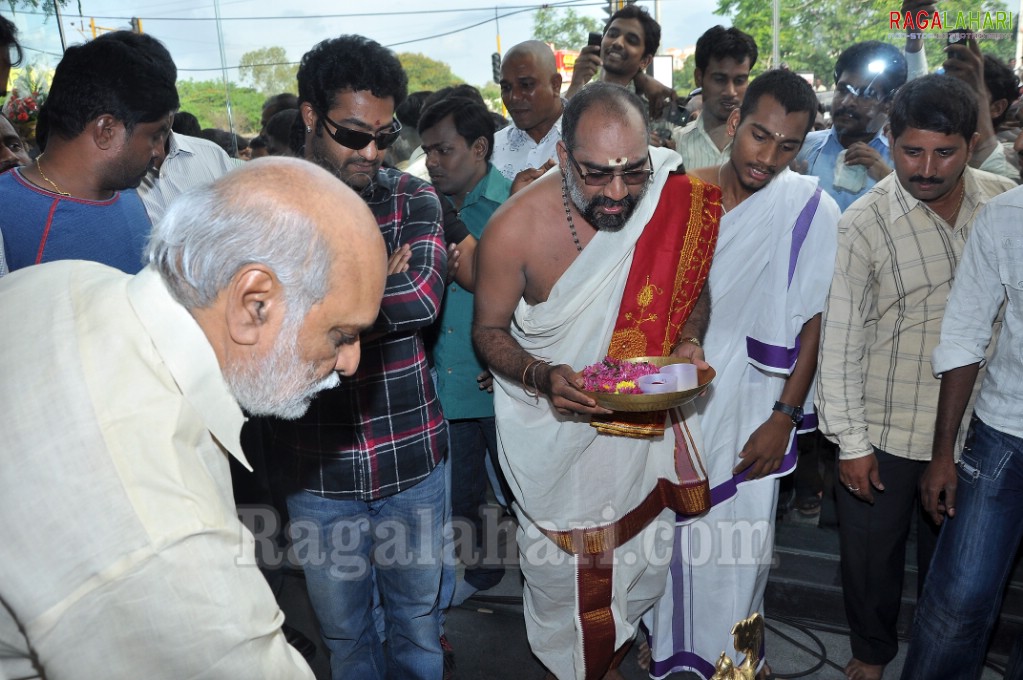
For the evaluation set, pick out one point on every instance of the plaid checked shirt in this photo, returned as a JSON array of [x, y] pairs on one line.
[[382, 431]]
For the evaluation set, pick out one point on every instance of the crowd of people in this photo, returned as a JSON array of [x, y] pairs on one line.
[[390, 313]]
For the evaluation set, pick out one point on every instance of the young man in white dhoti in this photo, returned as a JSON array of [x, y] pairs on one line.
[[612, 228], [769, 282]]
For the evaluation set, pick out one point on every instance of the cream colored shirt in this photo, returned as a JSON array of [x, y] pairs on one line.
[[696, 147], [122, 553], [893, 273]]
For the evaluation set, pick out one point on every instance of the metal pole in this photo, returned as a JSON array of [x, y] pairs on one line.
[[775, 31], [223, 68], [657, 11], [60, 26], [497, 26]]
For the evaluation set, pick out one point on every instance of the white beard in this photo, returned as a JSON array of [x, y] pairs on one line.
[[278, 384]]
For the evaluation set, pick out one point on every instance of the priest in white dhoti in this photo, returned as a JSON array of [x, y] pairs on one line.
[[605, 255], [769, 280]]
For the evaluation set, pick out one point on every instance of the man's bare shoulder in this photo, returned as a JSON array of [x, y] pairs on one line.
[[526, 211]]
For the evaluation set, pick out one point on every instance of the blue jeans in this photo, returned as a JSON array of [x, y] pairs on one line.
[[963, 591], [343, 546], [471, 439]]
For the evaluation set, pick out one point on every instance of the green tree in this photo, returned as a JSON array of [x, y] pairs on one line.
[[683, 80], [425, 73], [566, 30], [45, 5], [812, 33], [207, 100], [491, 92], [267, 70]]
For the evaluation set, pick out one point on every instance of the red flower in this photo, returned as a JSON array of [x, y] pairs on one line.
[[22, 117]]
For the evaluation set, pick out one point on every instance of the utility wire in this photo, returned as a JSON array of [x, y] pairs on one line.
[[531, 8], [515, 9], [546, 5], [397, 44]]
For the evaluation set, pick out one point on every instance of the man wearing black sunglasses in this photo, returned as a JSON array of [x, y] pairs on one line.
[[352, 143], [371, 451]]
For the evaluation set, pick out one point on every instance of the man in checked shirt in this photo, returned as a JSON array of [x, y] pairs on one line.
[[366, 464], [898, 249]]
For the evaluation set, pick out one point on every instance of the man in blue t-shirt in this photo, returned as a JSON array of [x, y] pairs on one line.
[[108, 113]]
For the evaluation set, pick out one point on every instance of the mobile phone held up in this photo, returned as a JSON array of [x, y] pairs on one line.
[[957, 37], [595, 38]]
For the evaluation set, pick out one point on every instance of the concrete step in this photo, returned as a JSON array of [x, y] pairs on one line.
[[805, 586]]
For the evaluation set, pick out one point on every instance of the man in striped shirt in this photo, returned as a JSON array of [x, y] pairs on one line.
[[724, 58], [898, 248]]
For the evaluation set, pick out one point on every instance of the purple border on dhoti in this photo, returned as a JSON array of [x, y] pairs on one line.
[[682, 661], [773, 356], [801, 229], [678, 590], [729, 487]]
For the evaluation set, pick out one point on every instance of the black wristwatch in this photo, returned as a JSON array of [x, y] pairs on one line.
[[793, 412]]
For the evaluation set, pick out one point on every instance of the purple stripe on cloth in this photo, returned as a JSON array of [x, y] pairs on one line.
[[680, 662], [678, 593], [728, 488], [809, 424], [773, 356], [801, 229]]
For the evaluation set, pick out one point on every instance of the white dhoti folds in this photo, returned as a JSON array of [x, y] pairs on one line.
[[565, 475]]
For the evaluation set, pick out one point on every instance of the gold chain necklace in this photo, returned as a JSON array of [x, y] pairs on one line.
[[42, 174], [962, 194]]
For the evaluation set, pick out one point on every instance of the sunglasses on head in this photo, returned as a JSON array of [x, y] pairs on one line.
[[358, 140]]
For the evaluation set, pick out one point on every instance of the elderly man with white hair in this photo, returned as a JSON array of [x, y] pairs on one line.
[[122, 401]]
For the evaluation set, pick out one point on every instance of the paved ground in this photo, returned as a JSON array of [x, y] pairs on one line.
[[490, 643]]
